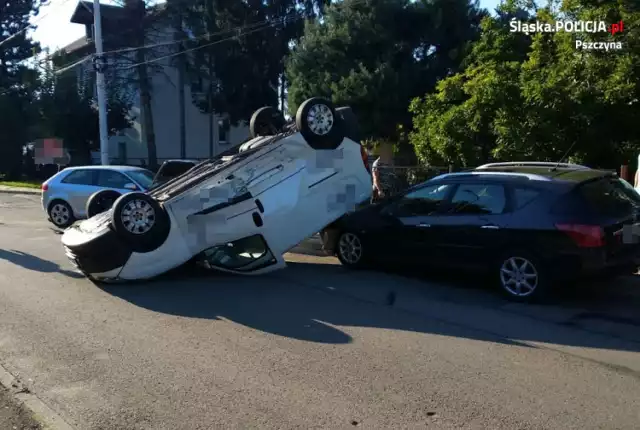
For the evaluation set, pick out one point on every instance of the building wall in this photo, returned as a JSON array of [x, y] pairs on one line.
[[131, 143]]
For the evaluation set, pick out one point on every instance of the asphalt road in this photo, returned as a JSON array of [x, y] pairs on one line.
[[311, 346]]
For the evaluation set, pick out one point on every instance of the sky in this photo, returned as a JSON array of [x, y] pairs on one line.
[[54, 30]]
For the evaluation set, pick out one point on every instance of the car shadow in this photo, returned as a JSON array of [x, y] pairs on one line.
[[263, 303], [37, 264], [274, 304], [325, 303]]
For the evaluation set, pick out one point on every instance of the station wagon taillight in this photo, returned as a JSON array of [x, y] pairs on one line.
[[45, 187], [365, 158], [585, 236]]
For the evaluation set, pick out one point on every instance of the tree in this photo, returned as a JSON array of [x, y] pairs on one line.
[[240, 68], [144, 25], [377, 55], [15, 80], [454, 125], [67, 110], [537, 97]]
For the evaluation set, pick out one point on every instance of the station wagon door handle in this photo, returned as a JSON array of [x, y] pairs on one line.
[[490, 227]]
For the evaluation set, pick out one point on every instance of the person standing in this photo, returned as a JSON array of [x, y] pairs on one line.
[[384, 178]]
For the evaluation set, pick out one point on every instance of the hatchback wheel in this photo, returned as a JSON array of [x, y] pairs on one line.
[[350, 250], [521, 277], [61, 214], [101, 201]]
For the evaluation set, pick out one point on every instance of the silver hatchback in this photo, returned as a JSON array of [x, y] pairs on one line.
[[65, 194]]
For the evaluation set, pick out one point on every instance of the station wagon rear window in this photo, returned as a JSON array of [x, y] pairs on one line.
[[610, 197]]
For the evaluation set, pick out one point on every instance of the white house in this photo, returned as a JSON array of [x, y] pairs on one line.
[[130, 146]]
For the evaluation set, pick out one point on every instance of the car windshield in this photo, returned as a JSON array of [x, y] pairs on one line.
[[142, 177]]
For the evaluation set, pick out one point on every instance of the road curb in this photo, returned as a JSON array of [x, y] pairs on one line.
[[19, 191], [42, 413]]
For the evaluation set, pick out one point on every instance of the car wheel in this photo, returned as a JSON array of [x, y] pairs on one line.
[[319, 124], [349, 250], [141, 221], [266, 121], [61, 214], [101, 201], [522, 277]]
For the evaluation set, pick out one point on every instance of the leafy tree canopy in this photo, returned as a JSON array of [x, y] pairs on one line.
[[244, 57], [15, 80], [67, 110], [376, 55], [537, 97]]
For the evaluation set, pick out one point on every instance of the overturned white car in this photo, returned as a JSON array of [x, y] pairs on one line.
[[237, 213]]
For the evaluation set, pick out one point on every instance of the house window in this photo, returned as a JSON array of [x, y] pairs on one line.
[[223, 130]]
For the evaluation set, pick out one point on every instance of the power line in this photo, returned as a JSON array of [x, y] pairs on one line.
[[206, 45], [260, 26], [40, 18], [72, 65], [294, 15], [191, 39], [194, 39]]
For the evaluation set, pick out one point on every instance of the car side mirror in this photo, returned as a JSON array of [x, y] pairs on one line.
[[131, 186]]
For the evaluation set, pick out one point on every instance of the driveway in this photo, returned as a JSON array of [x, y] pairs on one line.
[[311, 346]]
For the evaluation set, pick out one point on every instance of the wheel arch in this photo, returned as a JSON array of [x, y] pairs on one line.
[[56, 199]]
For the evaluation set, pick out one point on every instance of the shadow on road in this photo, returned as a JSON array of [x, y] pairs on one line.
[[294, 303], [274, 305], [31, 262]]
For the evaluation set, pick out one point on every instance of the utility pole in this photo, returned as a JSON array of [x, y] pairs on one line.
[[212, 115], [100, 65], [175, 6]]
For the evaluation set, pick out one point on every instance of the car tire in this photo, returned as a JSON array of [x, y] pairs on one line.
[[101, 201], [320, 124], [349, 250], [522, 277], [61, 214], [141, 221], [266, 121]]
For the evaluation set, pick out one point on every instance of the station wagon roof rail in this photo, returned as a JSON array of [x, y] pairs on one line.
[[529, 176], [532, 164]]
